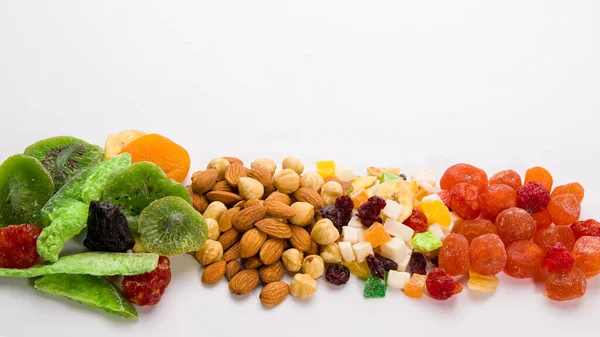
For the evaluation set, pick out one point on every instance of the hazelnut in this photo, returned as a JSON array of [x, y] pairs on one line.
[[303, 286], [324, 232], [265, 162], [312, 180], [304, 213], [250, 188], [215, 210], [287, 181], [330, 191], [314, 266], [293, 163], [212, 251], [331, 253], [292, 259], [213, 229], [221, 165]]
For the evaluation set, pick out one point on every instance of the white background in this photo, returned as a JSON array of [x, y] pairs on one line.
[[419, 84]]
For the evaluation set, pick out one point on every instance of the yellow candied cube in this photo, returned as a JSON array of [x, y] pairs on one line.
[[326, 168], [436, 212], [360, 270]]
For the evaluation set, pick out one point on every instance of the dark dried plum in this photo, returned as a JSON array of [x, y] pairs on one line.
[[108, 229], [337, 274]]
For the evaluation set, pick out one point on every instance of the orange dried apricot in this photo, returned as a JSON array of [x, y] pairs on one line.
[[571, 188], [541, 175], [507, 177], [564, 209], [173, 159]]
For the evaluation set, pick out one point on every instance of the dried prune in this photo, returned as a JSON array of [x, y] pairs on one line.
[[375, 266], [108, 229], [417, 264], [148, 288], [440, 285], [17, 246], [337, 274], [533, 197]]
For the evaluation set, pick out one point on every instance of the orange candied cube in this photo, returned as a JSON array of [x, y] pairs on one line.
[[326, 168], [359, 197], [376, 235], [415, 287]]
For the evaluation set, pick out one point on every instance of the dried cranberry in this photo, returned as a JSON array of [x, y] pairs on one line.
[[376, 266], [148, 288], [533, 197], [344, 203], [558, 258], [337, 274], [417, 264], [440, 285], [17, 246], [379, 200], [368, 213], [388, 264], [417, 221], [403, 176], [589, 227]]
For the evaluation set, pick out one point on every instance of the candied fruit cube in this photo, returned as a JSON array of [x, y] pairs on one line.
[[386, 176], [359, 197], [425, 175], [346, 251], [360, 270], [376, 235], [392, 209], [397, 279], [426, 242], [405, 261], [436, 229], [351, 234], [375, 287], [436, 212], [482, 283], [394, 250], [344, 174], [362, 250], [398, 230], [415, 287], [326, 168], [355, 222]]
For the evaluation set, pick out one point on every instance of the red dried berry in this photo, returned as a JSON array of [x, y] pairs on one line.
[[533, 197], [464, 201], [17, 246], [589, 227], [417, 221], [368, 213], [337, 274], [417, 264], [388, 264], [148, 288], [558, 258], [440, 285], [344, 203], [375, 266]]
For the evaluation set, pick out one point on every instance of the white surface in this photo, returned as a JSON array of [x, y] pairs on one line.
[[420, 84]]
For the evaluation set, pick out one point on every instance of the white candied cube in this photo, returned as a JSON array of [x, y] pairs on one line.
[[436, 229], [447, 229], [426, 175], [397, 279], [408, 249], [355, 222], [394, 249], [351, 234], [398, 229], [346, 251], [454, 217], [344, 174], [428, 187], [362, 250], [404, 263], [392, 209], [431, 198]]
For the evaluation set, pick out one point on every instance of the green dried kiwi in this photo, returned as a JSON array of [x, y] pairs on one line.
[[64, 157], [25, 186], [139, 185], [93, 291], [171, 226]]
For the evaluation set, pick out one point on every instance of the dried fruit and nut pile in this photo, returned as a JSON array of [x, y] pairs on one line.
[[253, 224]]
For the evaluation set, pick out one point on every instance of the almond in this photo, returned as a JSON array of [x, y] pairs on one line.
[[300, 239], [268, 190], [232, 268], [278, 209], [227, 217], [274, 228], [274, 293], [262, 174], [228, 198], [252, 262], [223, 186], [214, 272], [244, 282], [251, 242], [278, 196], [233, 253], [234, 172], [240, 204], [203, 181], [246, 218], [314, 249], [253, 202], [309, 195], [227, 239], [271, 273], [232, 160], [271, 250], [198, 200]]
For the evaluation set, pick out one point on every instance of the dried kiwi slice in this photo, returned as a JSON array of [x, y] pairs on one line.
[[171, 226], [64, 157], [139, 185], [25, 186]]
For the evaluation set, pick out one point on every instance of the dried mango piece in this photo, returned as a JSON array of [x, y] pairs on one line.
[[482, 283], [436, 212], [360, 270], [326, 168]]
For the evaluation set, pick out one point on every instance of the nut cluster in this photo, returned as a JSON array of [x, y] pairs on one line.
[[262, 222]]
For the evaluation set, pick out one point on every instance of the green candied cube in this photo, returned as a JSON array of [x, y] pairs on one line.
[[426, 242], [387, 177], [375, 287]]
